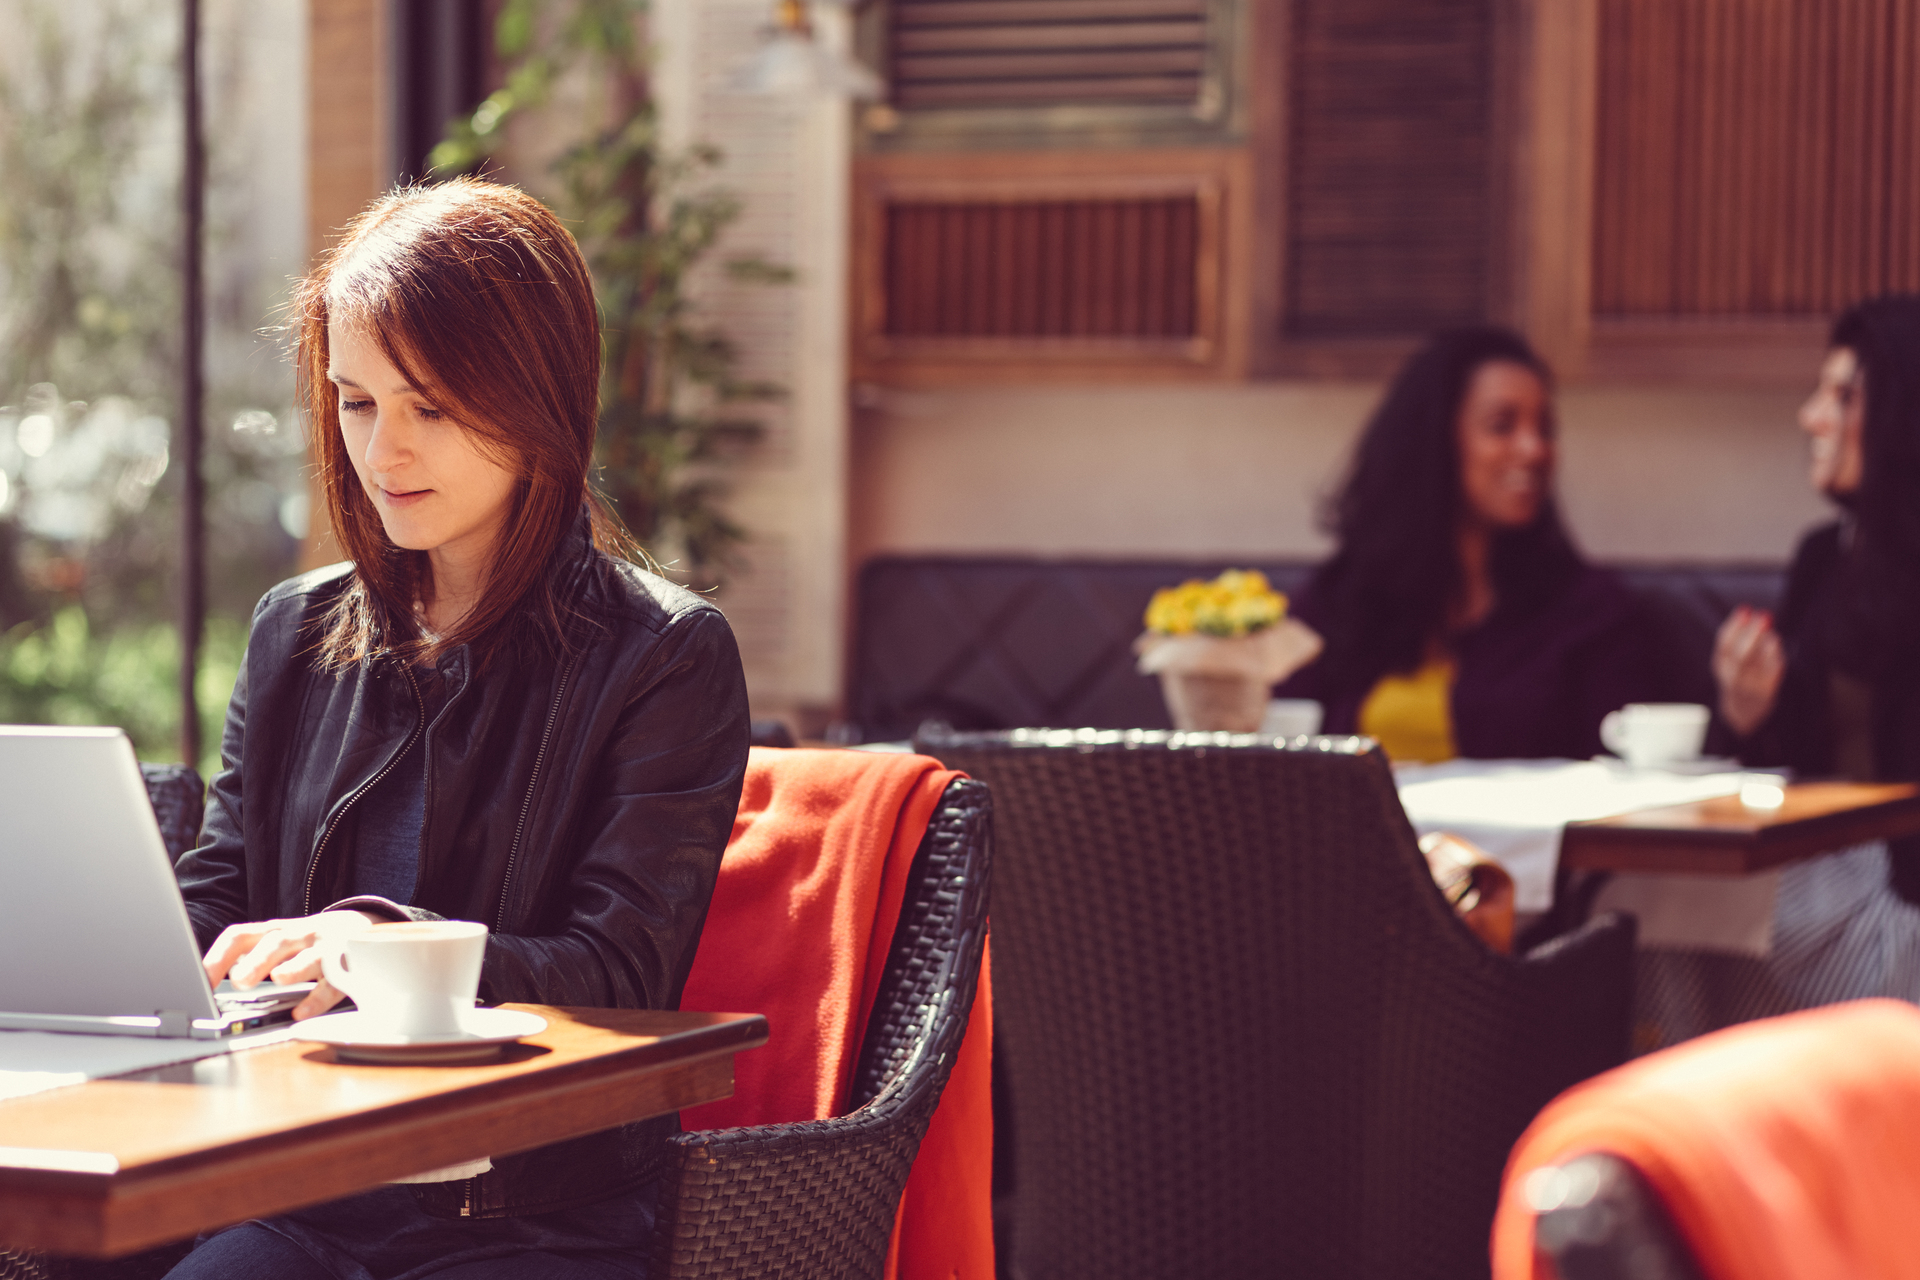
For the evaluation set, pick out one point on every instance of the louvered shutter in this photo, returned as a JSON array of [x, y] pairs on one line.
[[1755, 159], [1389, 166], [1090, 269], [1012, 53]]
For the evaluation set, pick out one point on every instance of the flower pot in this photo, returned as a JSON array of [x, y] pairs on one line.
[[1219, 684], [1200, 702]]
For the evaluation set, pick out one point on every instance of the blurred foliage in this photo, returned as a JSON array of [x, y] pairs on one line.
[[62, 671], [89, 363], [668, 423], [74, 119]]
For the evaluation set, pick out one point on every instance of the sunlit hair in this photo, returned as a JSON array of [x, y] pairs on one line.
[[1388, 589], [481, 300]]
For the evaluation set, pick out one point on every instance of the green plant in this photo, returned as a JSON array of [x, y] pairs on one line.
[[64, 672], [89, 361], [644, 224]]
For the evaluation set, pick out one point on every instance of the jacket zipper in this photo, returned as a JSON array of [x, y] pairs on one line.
[[313, 864], [526, 806]]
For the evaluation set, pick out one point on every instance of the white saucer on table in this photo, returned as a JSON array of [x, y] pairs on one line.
[[1696, 766], [483, 1034]]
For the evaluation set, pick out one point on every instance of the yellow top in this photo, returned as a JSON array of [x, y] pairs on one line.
[[1412, 716]]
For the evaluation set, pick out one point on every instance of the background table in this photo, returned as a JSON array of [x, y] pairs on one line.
[[1722, 836], [116, 1165]]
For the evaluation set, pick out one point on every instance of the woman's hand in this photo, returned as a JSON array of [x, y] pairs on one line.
[[1748, 662], [283, 951]]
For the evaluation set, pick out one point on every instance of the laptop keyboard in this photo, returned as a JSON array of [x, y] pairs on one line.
[[267, 996]]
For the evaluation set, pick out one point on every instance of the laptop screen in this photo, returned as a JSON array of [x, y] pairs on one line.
[[91, 921]]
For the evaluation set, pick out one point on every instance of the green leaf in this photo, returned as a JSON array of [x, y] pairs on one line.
[[513, 30], [758, 270]]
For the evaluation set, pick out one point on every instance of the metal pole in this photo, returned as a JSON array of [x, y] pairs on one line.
[[193, 568]]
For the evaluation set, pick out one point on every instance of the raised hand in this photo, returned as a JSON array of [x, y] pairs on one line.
[[1748, 662]]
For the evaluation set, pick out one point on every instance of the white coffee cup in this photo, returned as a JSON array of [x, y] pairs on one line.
[[415, 979], [1291, 717], [1650, 734]]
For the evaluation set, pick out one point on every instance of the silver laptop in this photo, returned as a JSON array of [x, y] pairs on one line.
[[93, 934]]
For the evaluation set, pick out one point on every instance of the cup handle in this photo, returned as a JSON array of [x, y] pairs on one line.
[[333, 967], [1613, 734]]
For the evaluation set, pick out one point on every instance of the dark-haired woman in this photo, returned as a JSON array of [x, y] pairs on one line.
[[1830, 688], [1459, 620], [488, 714], [1835, 688]]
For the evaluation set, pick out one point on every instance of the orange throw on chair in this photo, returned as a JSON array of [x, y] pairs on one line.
[[820, 852], [1785, 1149]]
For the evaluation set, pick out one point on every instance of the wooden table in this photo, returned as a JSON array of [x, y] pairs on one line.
[[1722, 836], [117, 1165]]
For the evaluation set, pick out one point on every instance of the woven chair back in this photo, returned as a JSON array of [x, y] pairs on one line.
[[1243, 1034], [815, 1200], [179, 802]]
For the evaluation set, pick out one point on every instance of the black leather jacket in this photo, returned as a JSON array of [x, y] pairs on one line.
[[578, 805]]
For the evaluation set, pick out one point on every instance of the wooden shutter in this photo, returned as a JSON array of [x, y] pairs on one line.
[[1389, 166], [1046, 264], [1008, 53], [1090, 268], [1755, 157]]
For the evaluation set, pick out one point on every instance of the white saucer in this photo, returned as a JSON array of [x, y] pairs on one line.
[[1698, 766], [484, 1033]]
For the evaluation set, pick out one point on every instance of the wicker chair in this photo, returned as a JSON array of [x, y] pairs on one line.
[[179, 801], [1607, 1223], [817, 1199], [1243, 1033]]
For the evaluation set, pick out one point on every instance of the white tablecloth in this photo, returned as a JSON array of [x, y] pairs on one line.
[[1516, 809]]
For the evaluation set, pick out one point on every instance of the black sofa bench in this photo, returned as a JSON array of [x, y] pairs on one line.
[[1005, 643]]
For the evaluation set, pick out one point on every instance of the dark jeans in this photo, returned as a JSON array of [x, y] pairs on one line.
[[384, 1235]]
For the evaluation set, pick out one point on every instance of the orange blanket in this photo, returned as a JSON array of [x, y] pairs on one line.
[[1786, 1149], [801, 923]]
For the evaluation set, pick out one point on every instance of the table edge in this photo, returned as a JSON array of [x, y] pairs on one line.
[[735, 1033], [1598, 845]]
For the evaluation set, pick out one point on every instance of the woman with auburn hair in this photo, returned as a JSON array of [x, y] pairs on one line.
[[487, 714], [1459, 620]]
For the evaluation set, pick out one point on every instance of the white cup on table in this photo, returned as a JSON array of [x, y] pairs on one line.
[[413, 979], [1291, 717], [1648, 735]]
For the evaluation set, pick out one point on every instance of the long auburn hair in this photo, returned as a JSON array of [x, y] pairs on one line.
[[1386, 593], [480, 298]]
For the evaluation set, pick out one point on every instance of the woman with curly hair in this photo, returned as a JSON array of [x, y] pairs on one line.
[[1459, 618]]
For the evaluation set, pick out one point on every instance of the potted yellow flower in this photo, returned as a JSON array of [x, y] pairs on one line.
[[1219, 646]]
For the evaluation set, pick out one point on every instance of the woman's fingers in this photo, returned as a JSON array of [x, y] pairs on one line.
[[1748, 662], [322, 998], [1738, 642], [1762, 658], [272, 948], [234, 941], [302, 966], [248, 953], [1769, 662], [1730, 644]]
